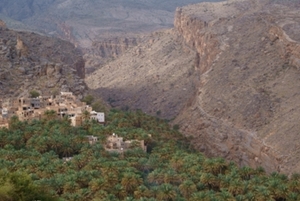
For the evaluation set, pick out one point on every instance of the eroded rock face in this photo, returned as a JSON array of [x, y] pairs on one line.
[[157, 76], [33, 62], [247, 105], [107, 49]]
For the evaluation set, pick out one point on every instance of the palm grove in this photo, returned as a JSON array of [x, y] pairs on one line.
[[32, 165]]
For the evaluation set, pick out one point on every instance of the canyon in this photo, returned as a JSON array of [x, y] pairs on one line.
[[236, 73], [157, 76], [226, 74]]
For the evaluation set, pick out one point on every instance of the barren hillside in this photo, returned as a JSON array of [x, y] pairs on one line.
[[157, 76], [33, 62], [247, 103]]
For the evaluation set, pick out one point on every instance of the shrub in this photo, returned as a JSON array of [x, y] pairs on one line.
[[34, 94]]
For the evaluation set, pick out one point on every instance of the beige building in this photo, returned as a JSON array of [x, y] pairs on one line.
[[92, 139], [117, 144], [65, 105]]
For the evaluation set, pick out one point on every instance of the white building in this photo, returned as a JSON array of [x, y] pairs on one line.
[[4, 112], [98, 116]]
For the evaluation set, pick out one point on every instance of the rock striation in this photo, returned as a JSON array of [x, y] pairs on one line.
[[106, 49], [33, 62], [246, 107]]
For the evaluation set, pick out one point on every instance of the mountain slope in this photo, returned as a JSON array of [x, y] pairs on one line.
[[84, 21], [33, 62], [247, 103], [157, 76]]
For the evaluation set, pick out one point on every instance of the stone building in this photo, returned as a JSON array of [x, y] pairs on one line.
[[92, 139], [98, 116], [114, 143], [65, 105]]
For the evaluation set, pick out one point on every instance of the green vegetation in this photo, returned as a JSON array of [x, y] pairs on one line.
[[96, 104], [88, 99], [34, 94], [31, 159], [19, 186]]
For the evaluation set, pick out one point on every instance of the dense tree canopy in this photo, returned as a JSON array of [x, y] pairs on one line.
[[33, 166]]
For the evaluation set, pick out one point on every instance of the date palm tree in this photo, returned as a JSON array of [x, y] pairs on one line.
[[215, 166], [210, 180], [166, 192], [130, 181], [262, 193], [187, 188], [142, 192], [225, 196]]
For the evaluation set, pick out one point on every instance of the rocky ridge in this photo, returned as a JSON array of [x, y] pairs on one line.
[[33, 62], [84, 21], [247, 104]]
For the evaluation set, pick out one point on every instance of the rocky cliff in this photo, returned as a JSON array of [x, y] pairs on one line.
[[33, 62], [107, 49], [157, 75], [247, 104]]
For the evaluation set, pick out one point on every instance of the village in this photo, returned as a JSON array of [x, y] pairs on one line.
[[65, 105]]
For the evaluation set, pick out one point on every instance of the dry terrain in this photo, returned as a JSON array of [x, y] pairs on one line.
[[33, 62], [86, 21], [157, 76], [247, 103]]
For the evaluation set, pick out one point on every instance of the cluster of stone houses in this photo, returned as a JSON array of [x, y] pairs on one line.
[[114, 143], [65, 105]]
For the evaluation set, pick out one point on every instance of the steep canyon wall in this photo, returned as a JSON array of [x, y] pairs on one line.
[[246, 106]]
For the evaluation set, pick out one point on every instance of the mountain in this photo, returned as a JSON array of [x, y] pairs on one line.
[[247, 100], [85, 21], [33, 62]]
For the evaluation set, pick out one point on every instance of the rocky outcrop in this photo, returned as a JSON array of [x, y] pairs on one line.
[[33, 62], [113, 47], [2, 24], [107, 49], [246, 106], [205, 43], [22, 49]]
